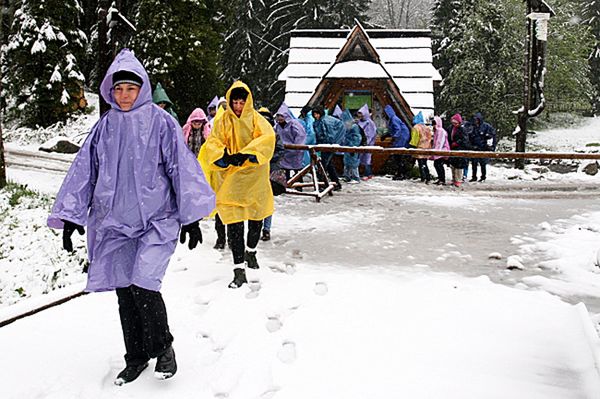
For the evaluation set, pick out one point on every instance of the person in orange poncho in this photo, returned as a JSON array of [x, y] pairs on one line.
[[238, 152]]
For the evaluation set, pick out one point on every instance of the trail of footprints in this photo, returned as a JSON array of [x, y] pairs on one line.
[[287, 352]]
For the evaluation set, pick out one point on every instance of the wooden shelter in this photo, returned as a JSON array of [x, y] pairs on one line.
[[357, 67]]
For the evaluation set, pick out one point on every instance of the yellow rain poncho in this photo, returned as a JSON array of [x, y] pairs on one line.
[[243, 192]]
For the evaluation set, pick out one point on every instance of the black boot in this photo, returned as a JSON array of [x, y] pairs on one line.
[[239, 278], [166, 366], [266, 235], [250, 259], [130, 373], [220, 244]]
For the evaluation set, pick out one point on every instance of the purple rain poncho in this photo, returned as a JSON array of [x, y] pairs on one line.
[[133, 183], [370, 129], [291, 133]]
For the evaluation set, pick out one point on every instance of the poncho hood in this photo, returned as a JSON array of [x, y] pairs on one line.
[[126, 61]]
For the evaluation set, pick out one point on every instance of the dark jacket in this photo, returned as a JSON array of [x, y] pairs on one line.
[[482, 137]]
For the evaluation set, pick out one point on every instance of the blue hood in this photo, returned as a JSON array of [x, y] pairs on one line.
[[418, 118]]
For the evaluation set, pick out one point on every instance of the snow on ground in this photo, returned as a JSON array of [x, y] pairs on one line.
[[316, 332], [585, 138], [385, 289]]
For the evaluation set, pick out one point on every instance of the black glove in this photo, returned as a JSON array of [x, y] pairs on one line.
[[193, 230], [238, 159], [68, 231]]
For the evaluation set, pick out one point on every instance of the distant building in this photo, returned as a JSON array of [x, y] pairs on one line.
[[358, 66]]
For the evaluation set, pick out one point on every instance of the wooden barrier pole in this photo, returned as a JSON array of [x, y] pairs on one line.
[[460, 154]]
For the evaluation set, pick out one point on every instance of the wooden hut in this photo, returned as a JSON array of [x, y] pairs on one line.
[[356, 67]]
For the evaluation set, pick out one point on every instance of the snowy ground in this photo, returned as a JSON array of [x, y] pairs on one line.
[[383, 290]]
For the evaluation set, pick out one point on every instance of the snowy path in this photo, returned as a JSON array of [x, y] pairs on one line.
[[315, 332], [383, 290]]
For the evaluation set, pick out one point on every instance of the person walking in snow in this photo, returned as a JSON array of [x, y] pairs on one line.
[[274, 171], [400, 135], [328, 130], [160, 98], [196, 130], [420, 137], [351, 139], [307, 121], [368, 126], [238, 150], [211, 110], [482, 138], [291, 131], [136, 187], [440, 142], [458, 142]]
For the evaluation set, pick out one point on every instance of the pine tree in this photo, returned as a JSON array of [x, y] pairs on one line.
[[591, 15], [43, 82], [567, 83], [178, 43], [478, 53], [256, 46]]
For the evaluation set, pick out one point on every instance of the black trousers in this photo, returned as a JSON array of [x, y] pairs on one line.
[[438, 164], [326, 160], [403, 163], [235, 232], [144, 323], [479, 161], [423, 170], [220, 228]]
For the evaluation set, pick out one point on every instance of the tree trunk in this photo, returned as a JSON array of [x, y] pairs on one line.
[[523, 114], [3, 36]]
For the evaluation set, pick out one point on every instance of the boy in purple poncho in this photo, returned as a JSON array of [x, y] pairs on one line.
[[134, 183]]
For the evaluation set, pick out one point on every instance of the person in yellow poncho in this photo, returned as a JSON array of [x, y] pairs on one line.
[[238, 152]]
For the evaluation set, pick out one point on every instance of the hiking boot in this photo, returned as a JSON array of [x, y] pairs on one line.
[[474, 178], [266, 235], [250, 259], [482, 179], [166, 366], [239, 278], [398, 178], [220, 244], [337, 187], [130, 373]]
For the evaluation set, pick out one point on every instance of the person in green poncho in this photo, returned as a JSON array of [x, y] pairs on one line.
[[160, 98]]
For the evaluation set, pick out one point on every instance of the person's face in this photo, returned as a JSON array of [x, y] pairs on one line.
[[125, 95], [238, 106], [455, 123], [316, 115], [196, 124], [359, 115], [280, 119], [212, 111], [477, 122], [162, 105]]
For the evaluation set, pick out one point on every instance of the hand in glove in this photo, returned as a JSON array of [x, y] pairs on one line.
[[193, 230], [238, 159], [68, 231]]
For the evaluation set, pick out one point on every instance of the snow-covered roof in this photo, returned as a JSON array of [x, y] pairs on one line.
[[405, 54]]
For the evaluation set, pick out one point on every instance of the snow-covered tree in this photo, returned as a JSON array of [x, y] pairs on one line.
[[256, 44], [591, 15], [178, 42], [567, 83], [42, 79], [401, 14]]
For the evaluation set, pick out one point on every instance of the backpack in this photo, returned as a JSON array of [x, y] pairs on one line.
[[363, 136]]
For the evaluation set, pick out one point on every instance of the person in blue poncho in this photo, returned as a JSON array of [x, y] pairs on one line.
[[352, 139], [307, 120], [400, 135], [328, 130]]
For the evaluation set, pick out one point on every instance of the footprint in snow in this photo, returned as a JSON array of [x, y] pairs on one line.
[[269, 393], [287, 352], [273, 324], [321, 288]]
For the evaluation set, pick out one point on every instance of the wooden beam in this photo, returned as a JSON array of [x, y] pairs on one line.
[[460, 154]]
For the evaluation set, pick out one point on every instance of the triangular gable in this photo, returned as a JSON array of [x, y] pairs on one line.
[[358, 47]]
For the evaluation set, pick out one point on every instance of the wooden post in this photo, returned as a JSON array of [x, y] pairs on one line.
[[522, 116]]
